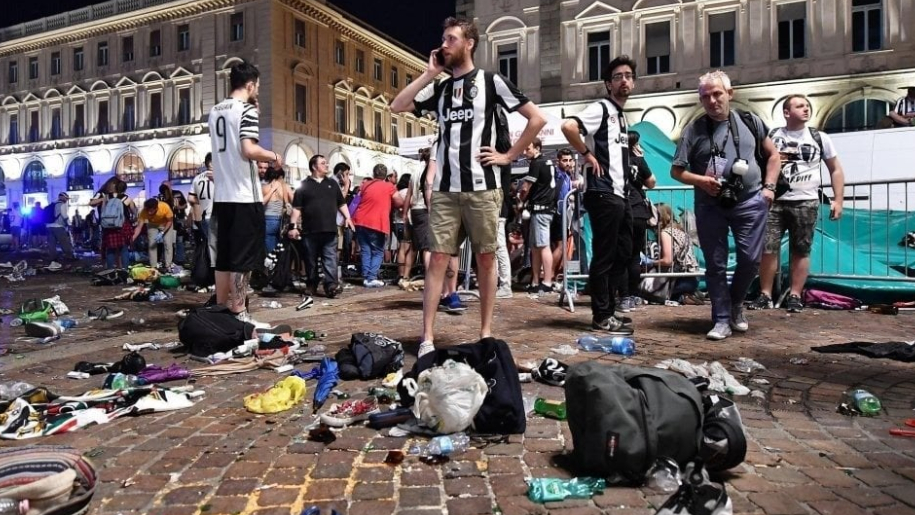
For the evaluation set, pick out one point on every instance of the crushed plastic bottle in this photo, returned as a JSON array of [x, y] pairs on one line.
[[550, 408], [609, 344], [565, 350], [748, 366], [272, 304], [664, 475], [551, 489], [12, 390], [67, 323], [443, 445]]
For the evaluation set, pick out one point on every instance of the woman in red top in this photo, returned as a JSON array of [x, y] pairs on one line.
[[373, 223]]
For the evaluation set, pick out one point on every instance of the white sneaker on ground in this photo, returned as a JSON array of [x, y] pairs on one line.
[[54, 265], [739, 321], [244, 316], [719, 332], [425, 348]]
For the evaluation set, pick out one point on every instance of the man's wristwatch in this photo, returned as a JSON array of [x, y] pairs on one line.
[[769, 186], [585, 152]]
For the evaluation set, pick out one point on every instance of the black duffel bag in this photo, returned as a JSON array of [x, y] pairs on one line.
[[211, 329]]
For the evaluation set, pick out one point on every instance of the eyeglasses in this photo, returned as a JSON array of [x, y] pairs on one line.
[[616, 77]]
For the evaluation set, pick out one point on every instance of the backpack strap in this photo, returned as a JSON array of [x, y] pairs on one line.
[[815, 134]]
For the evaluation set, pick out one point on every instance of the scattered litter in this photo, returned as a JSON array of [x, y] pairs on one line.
[[758, 394], [267, 487], [565, 350], [748, 366], [720, 380], [772, 449], [173, 477], [128, 483], [759, 380], [798, 361]]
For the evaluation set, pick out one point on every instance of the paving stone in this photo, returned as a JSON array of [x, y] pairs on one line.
[[865, 497], [842, 507], [187, 495], [454, 469], [129, 502], [374, 474], [277, 496], [519, 505], [832, 478], [334, 464], [286, 476], [508, 485], [245, 470], [422, 496], [620, 497], [905, 493], [464, 485], [420, 476], [326, 489], [777, 504], [373, 491], [237, 487], [225, 505], [470, 506], [504, 465], [372, 507]]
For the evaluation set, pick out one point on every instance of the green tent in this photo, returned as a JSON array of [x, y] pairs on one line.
[[863, 243]]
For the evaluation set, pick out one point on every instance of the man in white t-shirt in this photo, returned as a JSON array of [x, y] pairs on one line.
[[201, 200], [238, 209], [803, 150]]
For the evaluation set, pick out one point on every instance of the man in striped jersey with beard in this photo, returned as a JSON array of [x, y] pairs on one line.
[[466, 189]]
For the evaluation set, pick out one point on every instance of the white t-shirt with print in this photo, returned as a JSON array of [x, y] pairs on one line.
[[803, 170], [232, 121]]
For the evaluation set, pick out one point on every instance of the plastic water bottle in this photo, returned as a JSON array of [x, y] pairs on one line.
[[16, 322], [10, 391], [67, 323], [610, 344], [13, 507], [865, 402], [273, 304], [446, 445]]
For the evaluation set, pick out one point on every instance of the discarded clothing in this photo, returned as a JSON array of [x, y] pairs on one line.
[[900, 351], [280, 397], [720, 380], [153, 374]]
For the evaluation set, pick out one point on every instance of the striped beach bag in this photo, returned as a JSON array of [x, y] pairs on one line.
[[47, 480]]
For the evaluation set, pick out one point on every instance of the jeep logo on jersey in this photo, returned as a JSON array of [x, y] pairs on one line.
[[458, 115]]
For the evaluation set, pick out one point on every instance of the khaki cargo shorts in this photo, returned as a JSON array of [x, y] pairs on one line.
[[455, 216]]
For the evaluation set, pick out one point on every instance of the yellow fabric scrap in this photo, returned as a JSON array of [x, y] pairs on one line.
[[280, 397]]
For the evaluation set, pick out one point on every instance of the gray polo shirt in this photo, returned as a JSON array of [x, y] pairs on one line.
[[695, 150]]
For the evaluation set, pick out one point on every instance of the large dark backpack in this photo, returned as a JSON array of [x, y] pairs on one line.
[[203, 274], [502, 411], [280, 277], [48, 214], [623, 418], [370, 356], [212, 329]]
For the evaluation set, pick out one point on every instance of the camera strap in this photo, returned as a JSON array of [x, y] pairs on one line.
[[718, 151]]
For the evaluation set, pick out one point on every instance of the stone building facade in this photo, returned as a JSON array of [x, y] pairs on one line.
[[124, 87], [849, 56]]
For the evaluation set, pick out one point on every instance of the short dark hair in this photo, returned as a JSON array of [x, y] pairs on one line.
[[120, 187], [151, 203], [273, 174], [424, 154], [313, 162], [538, 144], [787, 102], [467, 27], [403, 182], [208, 159], [340, 168], [241, 74], [634, 138], [562, 152], [621, 60], [380, 171]]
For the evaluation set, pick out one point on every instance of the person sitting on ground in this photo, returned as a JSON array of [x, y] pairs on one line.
[[676, 256]]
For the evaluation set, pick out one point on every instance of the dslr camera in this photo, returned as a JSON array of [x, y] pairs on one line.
[[732, 187]]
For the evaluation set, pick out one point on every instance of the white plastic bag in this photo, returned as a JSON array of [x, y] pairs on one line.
[[448, 397]]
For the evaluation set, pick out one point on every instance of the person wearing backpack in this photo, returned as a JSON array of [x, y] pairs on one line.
[[802, 150], [114, 220], [56, 223], [722, 151]]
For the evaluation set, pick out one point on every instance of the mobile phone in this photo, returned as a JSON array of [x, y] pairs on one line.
[[440, 57]]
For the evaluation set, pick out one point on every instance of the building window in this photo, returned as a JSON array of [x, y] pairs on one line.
[[393, 139], [34, 128], [127, 49], [79, 120], [185, 164], [598, 54], [378, 70], [101, 125], [184, 37], [78, 59], [360, 61], [791, 30], [102, 57], [410, 78], [857, 115], [14, 129], [55, 63], [299, 39], [339, 52], [34, 178], [184, 106], [301, 96], [866, 25], [721, 39], [395, 80], [379, 132], [409, 130], [340, 116], [130, 115], [13, 76], [130, 168], [155, 110], [33, 68], [508, 62], [79, 175], [155, 43], [360, 121], [657, 47], [56, 129], [237, 27]]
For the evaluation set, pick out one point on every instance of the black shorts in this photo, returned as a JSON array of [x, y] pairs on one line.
[[556, 228], [420, 229], [240, 230]]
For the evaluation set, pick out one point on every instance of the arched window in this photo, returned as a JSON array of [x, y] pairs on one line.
[[130, 168], [35, 178], [79, 175], [857, 115], [185, 164], [296, 164]]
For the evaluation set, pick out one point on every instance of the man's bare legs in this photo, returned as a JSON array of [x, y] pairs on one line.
[[232, 290], [768, 268], [488, 280], [432, 291]]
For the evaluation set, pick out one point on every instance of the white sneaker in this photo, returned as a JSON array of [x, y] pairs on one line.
[[504, 292], [54, 265], [374, 283], [739, 321], [425, 348], [719, 332], [244, 316]]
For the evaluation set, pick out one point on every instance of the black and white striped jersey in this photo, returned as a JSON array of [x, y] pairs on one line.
[[604, 124], [466, 110], [235, 176]]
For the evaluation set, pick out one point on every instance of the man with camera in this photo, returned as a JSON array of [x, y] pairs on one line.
[[716, 155]]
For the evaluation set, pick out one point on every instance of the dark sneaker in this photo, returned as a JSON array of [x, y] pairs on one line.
[[613, 326], [454, 304], [697, 495], [332, 291], [546, 289], [793, 304], [42, 329], [626, 305], [551, 371], [104, 313], [761, 302], [533, 289]]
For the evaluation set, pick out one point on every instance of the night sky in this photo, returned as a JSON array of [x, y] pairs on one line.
[[395, 18]]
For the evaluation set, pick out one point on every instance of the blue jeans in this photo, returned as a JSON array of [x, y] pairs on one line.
[[747, 222], [273, 231], [111, 253], [323, 244], [371, 246]]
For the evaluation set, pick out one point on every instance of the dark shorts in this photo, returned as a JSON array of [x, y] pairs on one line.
[[799, 218], [556, 229], [420, 229], [239, 236]]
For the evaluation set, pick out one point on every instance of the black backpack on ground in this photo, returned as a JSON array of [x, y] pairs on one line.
[[623, 418], [211, 329], [724, 444], [110, 277], [280, 277], [370, 356], [502, 411]]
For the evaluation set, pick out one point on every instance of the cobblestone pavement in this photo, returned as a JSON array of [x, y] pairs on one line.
[[216, 458]]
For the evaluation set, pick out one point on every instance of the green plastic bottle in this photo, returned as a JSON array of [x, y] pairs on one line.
[[550, 408], [308, 334], [865, 402]]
